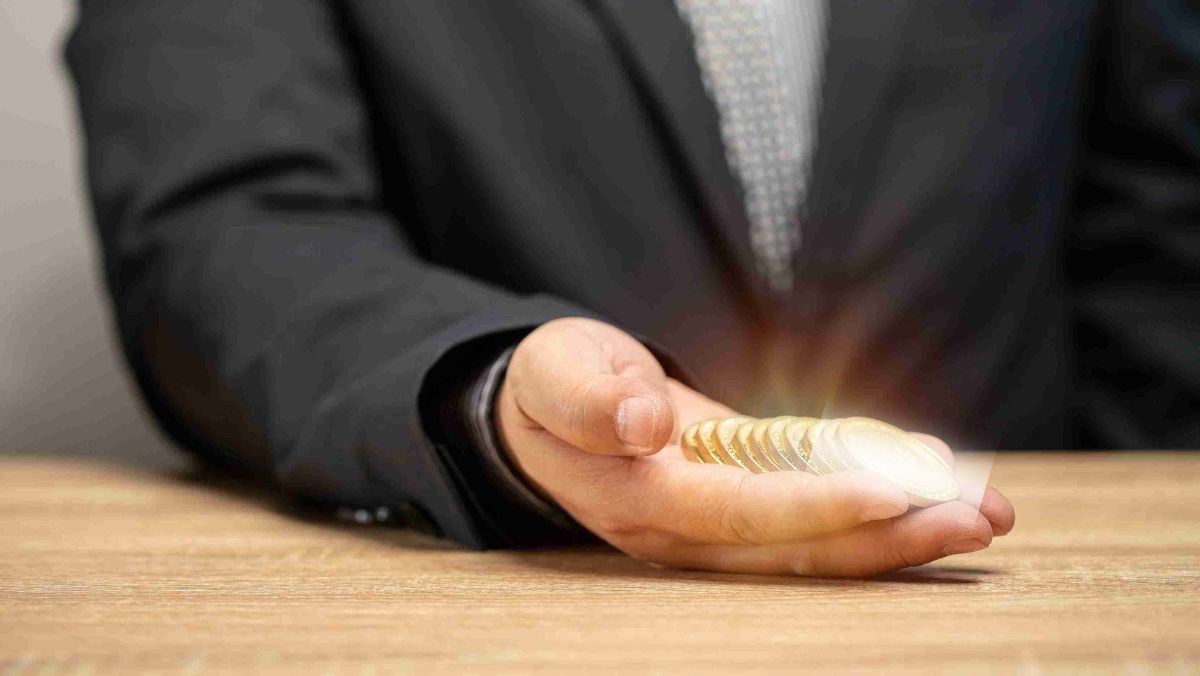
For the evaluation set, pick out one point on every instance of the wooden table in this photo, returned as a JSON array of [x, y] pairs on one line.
[[112, 567]]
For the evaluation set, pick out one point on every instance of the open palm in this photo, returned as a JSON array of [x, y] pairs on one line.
[[561, 420]]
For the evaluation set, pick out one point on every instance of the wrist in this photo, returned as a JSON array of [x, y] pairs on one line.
[[459, 399], [506, 412], [491, 397]]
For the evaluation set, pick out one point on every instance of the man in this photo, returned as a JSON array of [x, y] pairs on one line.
[[380, 252]]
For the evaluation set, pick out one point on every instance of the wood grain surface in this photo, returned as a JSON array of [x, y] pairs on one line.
[[114, 568]]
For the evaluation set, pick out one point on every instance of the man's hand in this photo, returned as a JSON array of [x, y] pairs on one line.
[[591, 419]]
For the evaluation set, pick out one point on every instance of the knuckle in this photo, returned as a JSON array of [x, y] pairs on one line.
[[743, 526], [737, 522], [574, 406], [570, 403], [899, 554], [810, 562], [967, 520], [901, 558]]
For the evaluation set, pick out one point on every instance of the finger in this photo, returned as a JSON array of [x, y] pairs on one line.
[[993, 505], [939, 446], [998, 511], [597, 389], [914, 539], [717, 504]]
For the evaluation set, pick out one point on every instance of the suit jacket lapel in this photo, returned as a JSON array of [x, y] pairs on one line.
[[657, 47]]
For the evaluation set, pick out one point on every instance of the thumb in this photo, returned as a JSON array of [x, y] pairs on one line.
[[593, 386]]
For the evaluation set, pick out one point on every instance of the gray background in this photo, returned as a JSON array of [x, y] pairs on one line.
[[63, 387]]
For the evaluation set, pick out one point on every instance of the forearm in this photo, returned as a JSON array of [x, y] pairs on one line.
[[277, 316]]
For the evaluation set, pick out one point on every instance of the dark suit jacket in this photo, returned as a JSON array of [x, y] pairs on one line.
[[308, 207]]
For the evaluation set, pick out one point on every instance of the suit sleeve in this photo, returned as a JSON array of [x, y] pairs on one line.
[[275, 315], [1135, 255]]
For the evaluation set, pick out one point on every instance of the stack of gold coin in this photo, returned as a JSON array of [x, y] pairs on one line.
[[824, 447]]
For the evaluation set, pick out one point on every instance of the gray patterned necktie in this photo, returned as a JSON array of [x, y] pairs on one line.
[[761, 61]]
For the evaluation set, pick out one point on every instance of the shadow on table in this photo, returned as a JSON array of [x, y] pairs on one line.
[[253, 491], [586, 562], [589, 562]]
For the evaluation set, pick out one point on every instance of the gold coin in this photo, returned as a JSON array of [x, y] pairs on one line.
[[723, 434], [744, 443], [824, 447], [900, 457], [709, 446], [820, 456], [778, 445], [837, 455], [758, 445], [793, 437], [704, 449], [691, 443]]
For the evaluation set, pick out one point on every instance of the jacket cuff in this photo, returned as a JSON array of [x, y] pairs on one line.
[[477, 410], [458, 410]]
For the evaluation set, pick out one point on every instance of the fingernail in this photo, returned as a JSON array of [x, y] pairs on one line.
[[965, 546], [880, 510], [635, 421]]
